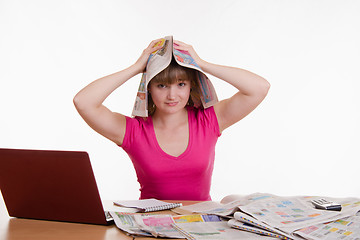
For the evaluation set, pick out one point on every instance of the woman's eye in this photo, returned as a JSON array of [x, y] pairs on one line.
[[161, 86], [182, 84]]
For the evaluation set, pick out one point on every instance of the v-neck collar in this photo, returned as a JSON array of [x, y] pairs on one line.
[[157, 145]]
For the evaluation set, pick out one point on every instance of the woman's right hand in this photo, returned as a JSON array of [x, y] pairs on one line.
[[143, 59]]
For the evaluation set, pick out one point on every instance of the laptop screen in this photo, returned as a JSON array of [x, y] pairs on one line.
[[50, 185]]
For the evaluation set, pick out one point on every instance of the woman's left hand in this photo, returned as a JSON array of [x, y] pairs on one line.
[[178, 45]]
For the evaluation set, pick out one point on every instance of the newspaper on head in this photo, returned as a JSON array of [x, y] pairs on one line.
[[157, 62]]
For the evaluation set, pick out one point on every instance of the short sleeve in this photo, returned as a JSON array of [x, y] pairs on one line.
[[208, 118], [132, 128]]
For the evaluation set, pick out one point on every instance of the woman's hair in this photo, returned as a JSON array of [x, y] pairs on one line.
[[172, 74]]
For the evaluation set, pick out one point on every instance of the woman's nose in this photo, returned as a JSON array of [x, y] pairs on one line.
[[171, 92]]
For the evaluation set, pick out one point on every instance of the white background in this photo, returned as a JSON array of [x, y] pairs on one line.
[[303, 139]]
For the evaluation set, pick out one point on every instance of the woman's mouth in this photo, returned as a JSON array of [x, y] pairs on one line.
[[171, 104]]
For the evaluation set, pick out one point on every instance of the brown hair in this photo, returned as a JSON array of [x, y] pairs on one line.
[[172, 74]]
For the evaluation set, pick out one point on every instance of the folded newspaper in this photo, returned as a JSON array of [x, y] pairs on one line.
[[157, 62], [196, 226]]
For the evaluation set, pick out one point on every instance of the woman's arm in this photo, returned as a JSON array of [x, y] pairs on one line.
[[89, 101], [252, 89]]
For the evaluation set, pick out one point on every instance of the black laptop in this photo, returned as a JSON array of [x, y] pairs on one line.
[[50, 185]]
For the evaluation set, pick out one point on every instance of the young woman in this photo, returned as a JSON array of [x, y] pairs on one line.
[[173, 149]]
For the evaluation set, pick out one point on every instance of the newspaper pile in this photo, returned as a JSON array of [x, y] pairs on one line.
[[250, 217], [286, 217], [157, 62]]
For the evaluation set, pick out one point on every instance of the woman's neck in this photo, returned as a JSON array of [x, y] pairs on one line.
[[165, 120]]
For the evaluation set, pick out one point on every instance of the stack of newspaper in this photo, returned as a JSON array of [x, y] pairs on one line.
[[249, 217]]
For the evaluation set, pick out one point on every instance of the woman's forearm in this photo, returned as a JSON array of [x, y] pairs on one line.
[[246, 82], [94, 94]]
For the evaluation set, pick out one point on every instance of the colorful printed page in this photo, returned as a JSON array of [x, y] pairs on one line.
[[126, 222], [158, 225], [286, 213], [290, 214], [346, 228]]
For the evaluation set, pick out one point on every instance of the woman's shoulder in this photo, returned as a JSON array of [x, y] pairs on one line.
[[135, 127], [202, 112], [205, 118], [137, 121]]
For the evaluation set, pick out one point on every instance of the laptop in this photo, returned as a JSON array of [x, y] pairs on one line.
[[50, 185]]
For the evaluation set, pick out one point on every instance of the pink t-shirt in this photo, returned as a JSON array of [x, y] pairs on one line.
[[162, 176]]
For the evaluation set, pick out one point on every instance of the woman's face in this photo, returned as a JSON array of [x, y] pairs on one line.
[[170, 98]]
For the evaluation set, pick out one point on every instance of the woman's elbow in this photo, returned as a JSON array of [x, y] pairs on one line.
[[264, 88], [78, 102]]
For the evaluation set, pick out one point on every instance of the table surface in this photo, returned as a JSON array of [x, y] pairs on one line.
[[28, 229]]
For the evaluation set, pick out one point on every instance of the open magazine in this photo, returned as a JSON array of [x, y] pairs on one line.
[[157, 62]]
